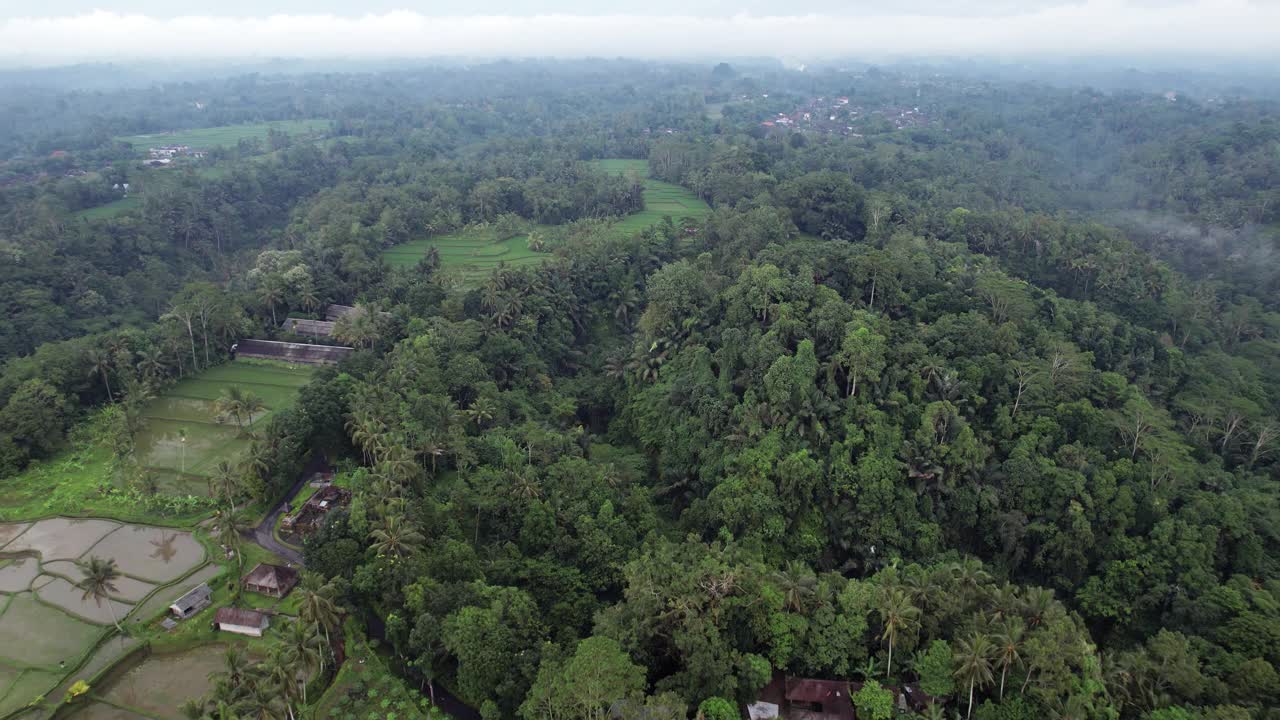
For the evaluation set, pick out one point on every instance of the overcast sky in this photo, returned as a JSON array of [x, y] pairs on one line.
[[57, 31]]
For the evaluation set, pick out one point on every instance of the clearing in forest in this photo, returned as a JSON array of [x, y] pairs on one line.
[[224, 135], [470, 254], [183, 439], [661, 199]]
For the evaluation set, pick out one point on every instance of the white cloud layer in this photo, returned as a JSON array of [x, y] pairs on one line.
[[1228, 28]]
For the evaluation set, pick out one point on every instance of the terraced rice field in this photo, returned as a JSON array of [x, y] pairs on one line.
[[49, 631], [470, 255], [224, 135], [661, 199], [185, 410]]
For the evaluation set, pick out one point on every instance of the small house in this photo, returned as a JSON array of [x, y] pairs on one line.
[[240, 621], [271, 580], [196, 599]]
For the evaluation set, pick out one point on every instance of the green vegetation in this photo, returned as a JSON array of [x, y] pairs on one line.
[[472, 254], [111, 209], [224, 135], [661, 199], [183, 438], [981, 401]]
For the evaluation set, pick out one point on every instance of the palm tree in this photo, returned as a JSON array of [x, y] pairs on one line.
[[1008, 644], [481, 412], [970, 577], [228, 525], [99, 582], [973, 656], [263, 704], [303, 643], [1036, 603], [395, 537], [317, 608], [100, 363], [899, 616], [252, 405], [152, 364], [235, 666], [271, 295], [224, 481], [231, 404], [281, 675], [308, 297], [798, 584]]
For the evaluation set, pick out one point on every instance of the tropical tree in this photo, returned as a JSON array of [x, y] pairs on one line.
[[973, 664], [317, 608], [1008, 643], [225, 481], [231, 404], [99, 581], [898, 616], [798, 584], [303, 643], [101, 363], [395, 537]]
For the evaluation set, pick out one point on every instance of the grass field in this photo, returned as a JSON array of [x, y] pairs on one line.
[[186, 409], [224, 135], [661, 199], [81, 481], [111, 209], [469, 254], [472, 254]]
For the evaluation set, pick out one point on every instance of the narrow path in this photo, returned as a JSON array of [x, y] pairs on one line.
[[263, 535]]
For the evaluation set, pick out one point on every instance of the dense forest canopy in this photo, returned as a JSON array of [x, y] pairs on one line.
[[973, 389]]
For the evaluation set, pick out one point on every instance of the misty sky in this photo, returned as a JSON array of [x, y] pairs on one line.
[[56, 31]]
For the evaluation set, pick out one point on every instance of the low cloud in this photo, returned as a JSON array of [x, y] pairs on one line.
[[1223, 28]]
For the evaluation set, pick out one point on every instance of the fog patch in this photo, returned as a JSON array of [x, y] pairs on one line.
[[1235, 28]]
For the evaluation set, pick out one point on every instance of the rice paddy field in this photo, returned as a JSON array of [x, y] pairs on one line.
[[50, 632], [224, 135], [469, 254], [182, 441], [472, 254], [661, 199]]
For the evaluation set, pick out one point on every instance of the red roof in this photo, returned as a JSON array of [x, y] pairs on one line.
[[832, 695]]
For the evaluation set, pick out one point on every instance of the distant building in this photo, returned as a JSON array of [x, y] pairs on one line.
[[241, 622], [197, 599], [308, 328], [291, 352], [271, 580]]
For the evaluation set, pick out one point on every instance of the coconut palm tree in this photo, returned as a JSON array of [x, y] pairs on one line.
[[898, 616], [281, 675], [271, 295], [481, 412], [317, 608], [1008, 644], [797, 583], [152, 363], [395, 537], [101, 363], [973, 658], [99, 581], [303, 643], [228, 525], [230, 404], [252, 405], [263, 703], [224, 481]]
